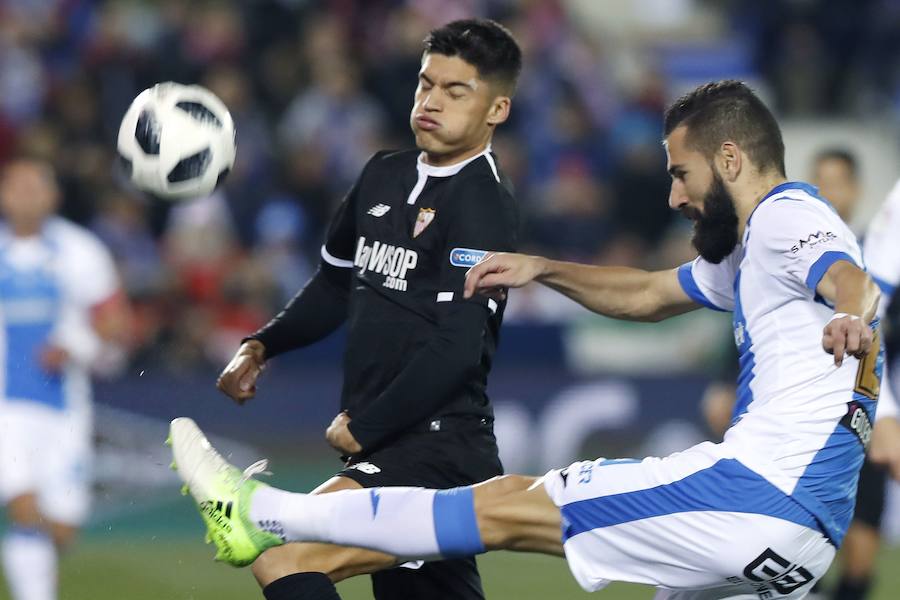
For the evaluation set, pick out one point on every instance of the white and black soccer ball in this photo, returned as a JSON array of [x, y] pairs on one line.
[[177, 141]]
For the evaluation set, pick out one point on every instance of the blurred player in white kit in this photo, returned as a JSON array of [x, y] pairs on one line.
[[60, 304]]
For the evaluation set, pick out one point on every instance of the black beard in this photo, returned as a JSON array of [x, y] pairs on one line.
[[716, 228]]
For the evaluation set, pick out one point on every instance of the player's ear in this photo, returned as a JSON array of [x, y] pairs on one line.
[[499, 110], [730, 159]]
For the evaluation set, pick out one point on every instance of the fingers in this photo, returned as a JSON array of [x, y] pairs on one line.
[[476, 273], [838, 347], [846, 335], [238, 380]]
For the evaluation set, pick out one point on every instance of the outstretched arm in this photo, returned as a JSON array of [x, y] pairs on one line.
[[618, 292]]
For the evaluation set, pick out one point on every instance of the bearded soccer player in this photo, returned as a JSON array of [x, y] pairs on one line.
[[414, 411], [756, 516]]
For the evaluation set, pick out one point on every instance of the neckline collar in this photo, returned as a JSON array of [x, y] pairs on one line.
[[448, 170], [791, 185], [783, 187]]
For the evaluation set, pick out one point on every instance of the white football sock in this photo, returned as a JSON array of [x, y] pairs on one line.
[[403, 521], [30, 564]]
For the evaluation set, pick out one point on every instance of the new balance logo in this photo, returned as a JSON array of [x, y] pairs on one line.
[[379, 210], [365, 467]]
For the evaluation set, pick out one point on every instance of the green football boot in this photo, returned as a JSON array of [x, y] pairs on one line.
[[222, 493]]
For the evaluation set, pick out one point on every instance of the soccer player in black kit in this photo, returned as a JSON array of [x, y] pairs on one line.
[[414, 411]]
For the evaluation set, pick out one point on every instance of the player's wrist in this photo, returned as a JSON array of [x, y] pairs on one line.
[[255, 349], [542, 267], [841, 315]]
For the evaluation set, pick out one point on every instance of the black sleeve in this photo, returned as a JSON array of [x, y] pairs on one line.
[[485, 219], [321, 306], [317, 310]]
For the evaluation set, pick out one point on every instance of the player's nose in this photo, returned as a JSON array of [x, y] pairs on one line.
[[431, 103], [677, 196]]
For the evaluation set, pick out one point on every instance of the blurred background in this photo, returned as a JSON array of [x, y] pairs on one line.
[[315, 87]]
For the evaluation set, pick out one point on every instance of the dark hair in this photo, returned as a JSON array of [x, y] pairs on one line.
[[485, 44], [841, 154], [728, 110]]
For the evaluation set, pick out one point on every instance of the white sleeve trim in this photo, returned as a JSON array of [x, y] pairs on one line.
[[335, 261]]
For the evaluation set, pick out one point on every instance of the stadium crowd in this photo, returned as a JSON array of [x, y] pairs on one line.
[[316, 86]]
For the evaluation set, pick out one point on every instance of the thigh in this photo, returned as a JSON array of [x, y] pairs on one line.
[[20, 453], [338, 562], [515, 512], [64, 494]]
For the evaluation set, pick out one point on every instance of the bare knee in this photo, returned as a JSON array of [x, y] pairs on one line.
[[336, 562], [23, 511], [496, 525]]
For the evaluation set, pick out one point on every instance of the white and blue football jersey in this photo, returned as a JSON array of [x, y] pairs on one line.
[[48, 285], [797, 420]]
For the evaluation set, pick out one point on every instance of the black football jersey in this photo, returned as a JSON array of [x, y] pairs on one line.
[[410, 231]]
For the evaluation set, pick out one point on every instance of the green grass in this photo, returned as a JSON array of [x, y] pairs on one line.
[[174, 568], [177, 569]]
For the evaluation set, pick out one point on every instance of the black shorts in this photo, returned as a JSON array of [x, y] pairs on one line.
[[870, 494], [432, 459]]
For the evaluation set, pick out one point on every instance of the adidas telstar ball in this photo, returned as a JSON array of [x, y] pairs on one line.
[[177, 141]]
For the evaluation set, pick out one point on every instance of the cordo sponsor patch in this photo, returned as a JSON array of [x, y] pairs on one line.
[[466, 257]]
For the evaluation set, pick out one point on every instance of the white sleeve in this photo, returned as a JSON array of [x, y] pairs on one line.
[[89, 278], [708, 284], [803, 238], [90, 271], [882, 247]]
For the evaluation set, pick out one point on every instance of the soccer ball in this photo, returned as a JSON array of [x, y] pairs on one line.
[[177, 141]]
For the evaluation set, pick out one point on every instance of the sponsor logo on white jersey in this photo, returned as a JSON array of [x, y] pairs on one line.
[[391, 261], [379, 210], [813, 240]]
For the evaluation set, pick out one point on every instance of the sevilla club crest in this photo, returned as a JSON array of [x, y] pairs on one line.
[[426, 216]]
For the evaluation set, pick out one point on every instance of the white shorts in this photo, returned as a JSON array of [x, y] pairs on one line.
[[46, 452], [698, 524]]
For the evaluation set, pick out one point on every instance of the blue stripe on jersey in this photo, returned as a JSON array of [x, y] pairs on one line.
[[746, 358], [726, 486], [30, 300], [690, 287], [827, 487], [818, 268], [886, 288]]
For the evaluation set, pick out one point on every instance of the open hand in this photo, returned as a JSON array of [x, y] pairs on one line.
[[498, 271]]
